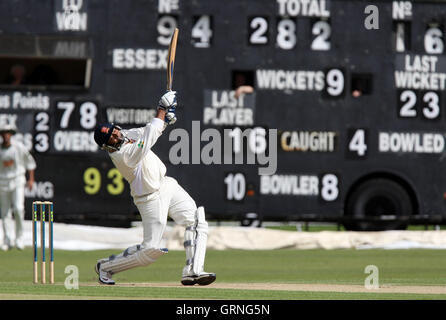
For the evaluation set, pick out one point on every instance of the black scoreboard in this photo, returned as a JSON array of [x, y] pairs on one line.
[[342, 117]]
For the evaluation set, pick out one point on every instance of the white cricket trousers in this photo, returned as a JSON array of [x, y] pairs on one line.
[[170, 200], [15, 199]]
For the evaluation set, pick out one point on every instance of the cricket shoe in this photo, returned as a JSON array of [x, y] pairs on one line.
[[202, 279], [104, 276], [5, 247]]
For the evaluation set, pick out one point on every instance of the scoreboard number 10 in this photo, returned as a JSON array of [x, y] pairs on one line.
[[235, 186]]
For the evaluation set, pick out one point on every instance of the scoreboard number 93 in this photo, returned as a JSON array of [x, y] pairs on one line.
[[93, 181]]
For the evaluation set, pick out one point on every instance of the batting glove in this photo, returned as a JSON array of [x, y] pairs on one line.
[[168, 100], [170, 117]]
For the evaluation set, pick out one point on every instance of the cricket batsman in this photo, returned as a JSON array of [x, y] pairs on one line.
[[156, 196]]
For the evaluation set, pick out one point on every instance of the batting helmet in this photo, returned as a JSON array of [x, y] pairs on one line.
[[102, 133]]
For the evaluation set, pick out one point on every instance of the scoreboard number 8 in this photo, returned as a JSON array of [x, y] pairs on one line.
[[88, 111], [286, 34], [329, 189]]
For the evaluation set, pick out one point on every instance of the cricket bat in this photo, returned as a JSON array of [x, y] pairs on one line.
[[171, 59]]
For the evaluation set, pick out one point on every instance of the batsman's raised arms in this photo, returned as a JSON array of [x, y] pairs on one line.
[[171, 59]]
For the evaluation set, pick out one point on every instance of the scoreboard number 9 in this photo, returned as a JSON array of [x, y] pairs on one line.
[[166, 26], [335, 82]]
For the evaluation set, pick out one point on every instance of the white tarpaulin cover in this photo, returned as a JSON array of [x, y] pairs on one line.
[[79, 237]]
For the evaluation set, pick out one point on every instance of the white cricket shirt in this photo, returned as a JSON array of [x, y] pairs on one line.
[[14, 162], [137, 163]]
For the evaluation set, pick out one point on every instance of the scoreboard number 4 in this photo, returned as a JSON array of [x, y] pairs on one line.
[[357, 146], [202, 32]]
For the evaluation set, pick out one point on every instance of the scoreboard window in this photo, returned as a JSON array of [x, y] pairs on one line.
[[361, 84], [242, 78], [45, 62], [44, 73]]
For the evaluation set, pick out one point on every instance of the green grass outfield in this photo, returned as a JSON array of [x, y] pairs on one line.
[[272, 268]]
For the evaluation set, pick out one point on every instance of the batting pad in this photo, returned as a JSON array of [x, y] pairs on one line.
[[200, 242], [132, 257], [195, 240]]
